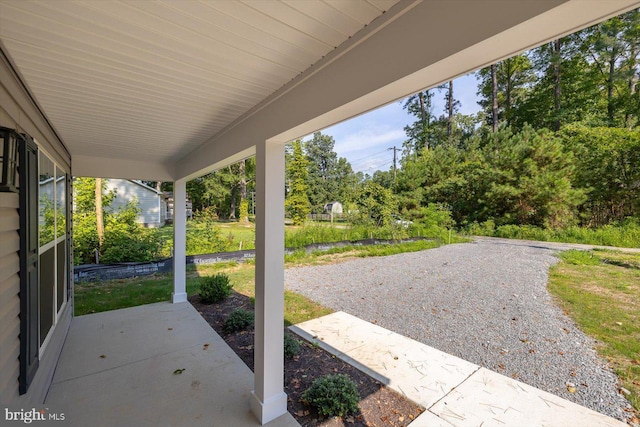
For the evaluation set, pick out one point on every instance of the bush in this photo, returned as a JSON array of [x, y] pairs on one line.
[[333, 395], [207, 214], [122, 245], [238, 320], [375, 204], [291, 346], [124, 239], [215, 288], [487, 228], [204, 237], [244, 210]]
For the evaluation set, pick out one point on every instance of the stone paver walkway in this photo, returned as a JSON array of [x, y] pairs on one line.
[[454, 392]]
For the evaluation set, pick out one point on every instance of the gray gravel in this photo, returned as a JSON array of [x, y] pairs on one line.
[[485, 302]]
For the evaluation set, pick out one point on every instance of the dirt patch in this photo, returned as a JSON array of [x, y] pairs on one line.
[[379, 405]]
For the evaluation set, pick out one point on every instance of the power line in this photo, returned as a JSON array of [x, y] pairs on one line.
[[379, 166], [352, 162]]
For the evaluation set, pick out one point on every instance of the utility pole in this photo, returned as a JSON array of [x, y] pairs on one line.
[[395, 150]]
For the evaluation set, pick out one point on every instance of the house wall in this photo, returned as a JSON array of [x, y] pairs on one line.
[[148, 200], [9, 299], [19, 111]]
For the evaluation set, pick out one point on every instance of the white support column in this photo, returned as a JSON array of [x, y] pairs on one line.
[[179, 241], [268, 399]]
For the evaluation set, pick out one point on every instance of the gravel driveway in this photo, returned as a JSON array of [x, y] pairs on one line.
[[485, 302]]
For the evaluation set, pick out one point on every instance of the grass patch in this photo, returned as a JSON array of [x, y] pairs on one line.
[[242, 236], [299, 237], [600, 290], [116, 294], [576, 257], [301, 257], [623, 235], [384, 250]]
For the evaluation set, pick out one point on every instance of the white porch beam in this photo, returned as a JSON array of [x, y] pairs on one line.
[[268, 399], [179, 241], [104, 167]]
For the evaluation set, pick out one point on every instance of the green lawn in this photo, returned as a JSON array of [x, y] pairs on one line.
[[601, 291], [244, 235], [115, 294]]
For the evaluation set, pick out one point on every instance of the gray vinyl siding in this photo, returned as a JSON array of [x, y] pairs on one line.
[[9, 296], [10, 315], [17, 111], [148, 200]]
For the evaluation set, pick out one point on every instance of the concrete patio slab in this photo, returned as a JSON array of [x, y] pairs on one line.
[[498, 400], [136, 383], [129, 335], [453, 391], [429, 419]]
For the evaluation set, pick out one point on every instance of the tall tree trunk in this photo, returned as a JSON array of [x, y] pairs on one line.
[[633, 82], [425, 124], [232, 196], [450, 108], [494, 98], [232, 207], [633, 87], [507, 92], [243, 192], [611, 87], [99, 212], [557, 89]]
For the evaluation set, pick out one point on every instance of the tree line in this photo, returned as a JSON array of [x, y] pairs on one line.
[[557, 142]]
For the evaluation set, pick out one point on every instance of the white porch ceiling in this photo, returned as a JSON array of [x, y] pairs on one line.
[[168, 89], [152, 80]]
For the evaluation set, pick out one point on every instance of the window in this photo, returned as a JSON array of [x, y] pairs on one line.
[[52, 221], [45, 279]]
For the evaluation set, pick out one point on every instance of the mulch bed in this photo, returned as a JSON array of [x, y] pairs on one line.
[[379, 405]]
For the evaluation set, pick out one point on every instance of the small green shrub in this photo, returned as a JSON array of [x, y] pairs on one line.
[[486, 228], [215, 288], [333, 395], [291, 346], [238, 320]]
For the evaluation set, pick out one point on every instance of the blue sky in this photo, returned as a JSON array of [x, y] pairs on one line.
[[364, 140]]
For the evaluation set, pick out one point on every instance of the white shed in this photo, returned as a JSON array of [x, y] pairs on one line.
[[333, 208], [149, 200]]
